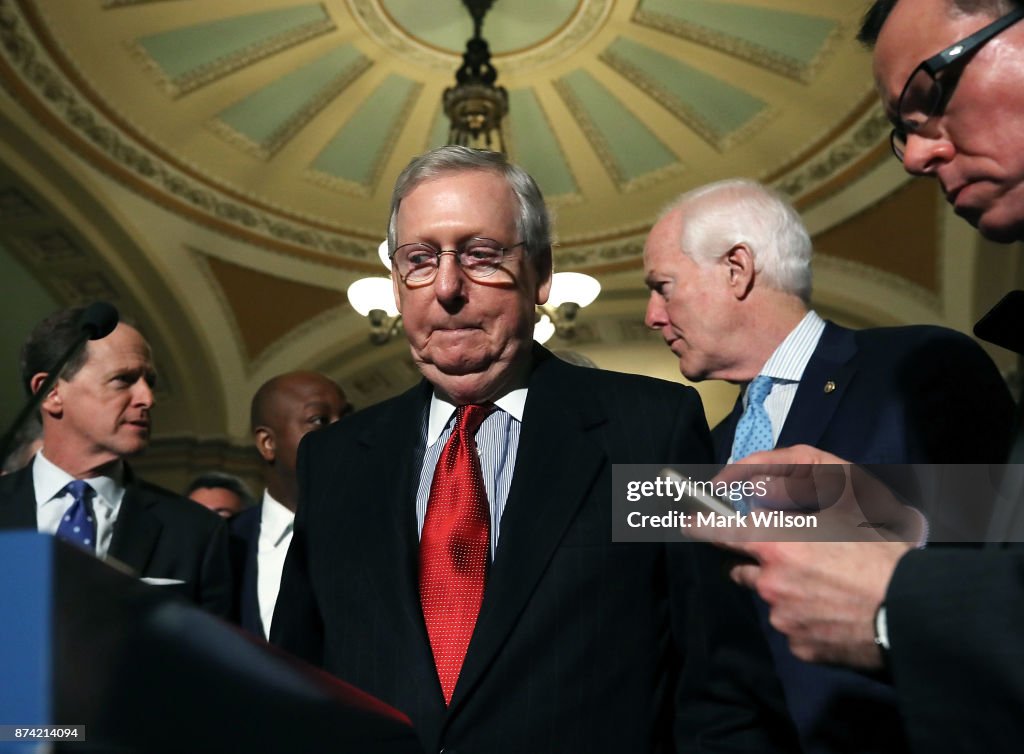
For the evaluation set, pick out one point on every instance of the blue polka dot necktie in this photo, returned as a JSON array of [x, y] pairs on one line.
[[754, 430], [78, 526]]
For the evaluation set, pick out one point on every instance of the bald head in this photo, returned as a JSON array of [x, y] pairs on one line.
[[284, 409]]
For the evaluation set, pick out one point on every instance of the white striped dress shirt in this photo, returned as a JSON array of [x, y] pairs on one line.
[[497, 443], [786, 367]]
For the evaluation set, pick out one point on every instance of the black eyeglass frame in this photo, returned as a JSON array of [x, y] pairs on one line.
[[462, 248], [956, 52]]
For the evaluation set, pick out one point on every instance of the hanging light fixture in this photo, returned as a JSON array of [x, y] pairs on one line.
[[475, 106], [374, 299], [570, 292]]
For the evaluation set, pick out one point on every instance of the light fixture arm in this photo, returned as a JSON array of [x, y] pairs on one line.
[[382, 327]]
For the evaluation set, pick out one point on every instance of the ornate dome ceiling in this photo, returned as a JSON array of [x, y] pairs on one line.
[[221, 170], [284, 121]]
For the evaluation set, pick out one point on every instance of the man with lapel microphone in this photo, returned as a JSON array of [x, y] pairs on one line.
[[452, 552], [79, 486]]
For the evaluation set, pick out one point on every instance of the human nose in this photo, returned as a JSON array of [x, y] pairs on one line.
[[142, 394], [450, 280], [654, 317], [925, 152]]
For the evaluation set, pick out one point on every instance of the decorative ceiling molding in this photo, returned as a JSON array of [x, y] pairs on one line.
[[386, 119], [111, 4], [379, 25], [896, 287], [731, 43], [194, 78], [860, 139], [290, 126], [32, 75], [707, 128], [660, 166]]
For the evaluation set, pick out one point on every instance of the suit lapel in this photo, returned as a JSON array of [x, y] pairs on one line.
[[824, 381], [18, 501], [556, 464], [249, 607], [722, 435], [393, 460], [136, 530]]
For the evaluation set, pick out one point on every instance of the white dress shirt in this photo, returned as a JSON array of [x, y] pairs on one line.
[[276, 526], [53, 501], [786, 367]]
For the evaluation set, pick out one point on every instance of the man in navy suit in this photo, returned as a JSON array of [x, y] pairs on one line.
[[945, 624], [452, 552], [728, 266], [95, 416], [283, 410]]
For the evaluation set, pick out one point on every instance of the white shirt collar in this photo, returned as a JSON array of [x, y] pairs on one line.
[[512, 403], [788, 361], [276, 521], [50, 480]]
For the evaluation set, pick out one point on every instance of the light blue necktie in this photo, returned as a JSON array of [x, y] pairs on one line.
[[79, 525], [754, 429]]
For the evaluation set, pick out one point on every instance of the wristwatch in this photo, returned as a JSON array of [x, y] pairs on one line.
[[882, 631]]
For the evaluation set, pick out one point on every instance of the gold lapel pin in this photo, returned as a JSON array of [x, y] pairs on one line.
[[830, 387]]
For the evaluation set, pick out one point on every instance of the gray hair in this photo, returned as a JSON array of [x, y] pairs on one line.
[[532, 222], [720, 215]]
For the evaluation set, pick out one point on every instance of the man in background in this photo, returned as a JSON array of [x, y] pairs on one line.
[[224, 494], [729, 269], [79, 485], [284, 410]]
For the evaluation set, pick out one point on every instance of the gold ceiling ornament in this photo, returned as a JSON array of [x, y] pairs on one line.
[[475, 106]]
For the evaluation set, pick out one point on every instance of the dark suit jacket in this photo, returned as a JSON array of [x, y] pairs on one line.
[[580, 641], [917, 394], [956, 618], [245, 536], [902, 395], [157, 533]]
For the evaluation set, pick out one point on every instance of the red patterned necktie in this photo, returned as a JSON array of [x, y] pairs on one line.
[[454, 547]]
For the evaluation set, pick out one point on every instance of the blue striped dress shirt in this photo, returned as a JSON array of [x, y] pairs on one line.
[[497, 443]]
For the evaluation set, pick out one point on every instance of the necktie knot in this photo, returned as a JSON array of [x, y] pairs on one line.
[[78, 526], [78, 488], [469, 417], [759, 389]]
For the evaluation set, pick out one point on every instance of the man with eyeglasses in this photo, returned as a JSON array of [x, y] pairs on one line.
[[944, 625], [452, 552]]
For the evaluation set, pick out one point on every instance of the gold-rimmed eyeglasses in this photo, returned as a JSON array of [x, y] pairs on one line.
[[478, 257]]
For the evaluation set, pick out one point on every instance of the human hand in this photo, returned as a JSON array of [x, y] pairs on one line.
[[822, 594]]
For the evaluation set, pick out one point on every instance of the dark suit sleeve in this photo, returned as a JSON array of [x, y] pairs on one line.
[[957, 660], [297, 626], [729, 698], [215, 580], [958, 403]]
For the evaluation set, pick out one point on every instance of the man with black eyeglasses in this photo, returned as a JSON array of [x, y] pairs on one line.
[[452, 551], [944, 625]]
